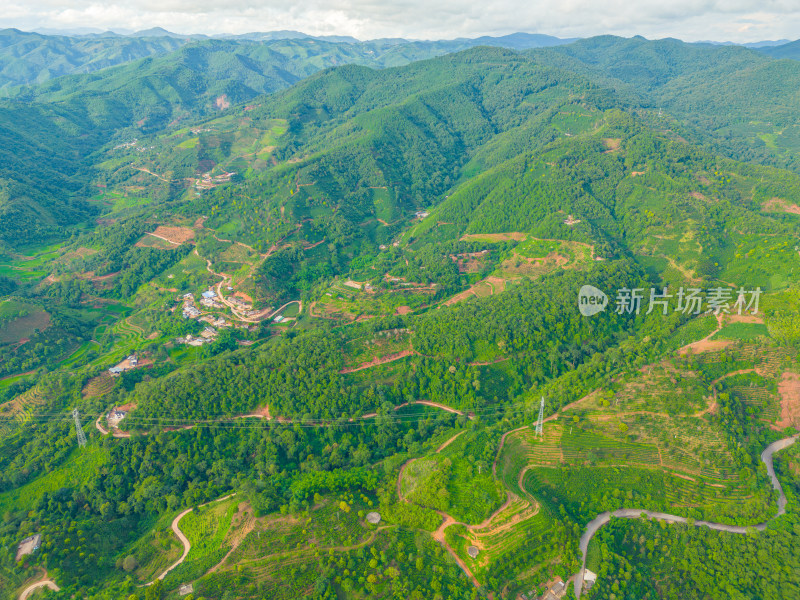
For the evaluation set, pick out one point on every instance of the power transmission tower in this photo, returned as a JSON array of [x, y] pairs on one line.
[[540, 420], [78, 428]]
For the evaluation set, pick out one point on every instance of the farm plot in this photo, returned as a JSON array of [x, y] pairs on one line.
[[383, 344], [208, 530], [21, 321], [21, 409]]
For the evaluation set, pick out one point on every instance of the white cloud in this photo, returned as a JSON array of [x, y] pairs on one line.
[[737, 20]]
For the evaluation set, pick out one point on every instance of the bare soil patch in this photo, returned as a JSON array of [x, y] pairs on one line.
[[150, 241], [485, 287], [494, 237], [378, 361], [176, 235], [780, 205], [744, 319], [706, 346], [789, 390], [222, 102], [403, 310]]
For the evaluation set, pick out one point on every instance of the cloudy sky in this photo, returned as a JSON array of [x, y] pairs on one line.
[[691, 20]]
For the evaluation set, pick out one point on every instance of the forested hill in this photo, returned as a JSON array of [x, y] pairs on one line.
[[736, 100], [731, 100], [33, 59]]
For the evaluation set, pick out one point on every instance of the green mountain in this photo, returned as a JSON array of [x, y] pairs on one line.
[[32, 58], [734, 99], [314, 330]]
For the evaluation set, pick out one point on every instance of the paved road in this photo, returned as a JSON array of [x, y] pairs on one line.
[[44, 583], [634, 513]]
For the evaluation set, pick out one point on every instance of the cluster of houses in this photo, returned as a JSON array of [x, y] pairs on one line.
[[208, 299], [239, 303], [209, 334], [125, 145]]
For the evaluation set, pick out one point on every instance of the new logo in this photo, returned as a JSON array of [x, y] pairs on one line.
[[591, 300]]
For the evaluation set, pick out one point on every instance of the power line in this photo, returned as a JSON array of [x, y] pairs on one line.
[[245, 422]]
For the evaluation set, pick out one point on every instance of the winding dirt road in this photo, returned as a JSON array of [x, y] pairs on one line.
[[187, 545], [49, 583]]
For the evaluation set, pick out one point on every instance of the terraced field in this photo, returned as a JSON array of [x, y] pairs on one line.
[[98, 386], [21, 409]]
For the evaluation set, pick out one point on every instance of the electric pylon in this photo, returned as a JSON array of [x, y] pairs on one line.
[[78, 428], [540, 420]]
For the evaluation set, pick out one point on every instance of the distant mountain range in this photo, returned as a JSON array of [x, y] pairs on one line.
[[36, 57]]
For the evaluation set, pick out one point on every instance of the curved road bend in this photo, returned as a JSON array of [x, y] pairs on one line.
[[634, 513], [44, 583]]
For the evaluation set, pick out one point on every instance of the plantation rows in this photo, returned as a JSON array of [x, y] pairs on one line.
[[99, 386], [582, 446], [545, 451], [769, 404], [21, 408]]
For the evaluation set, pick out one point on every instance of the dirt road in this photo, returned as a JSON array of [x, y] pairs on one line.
[[49, 583], [187, 545]]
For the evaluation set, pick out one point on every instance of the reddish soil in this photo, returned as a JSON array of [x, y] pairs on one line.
[[92, 277], [378, 361], [744, 319], [495, 237], [403, 310], [707, 344], [789, 390], [780, 205], [243, 296], [222, 102], [176, 235]]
